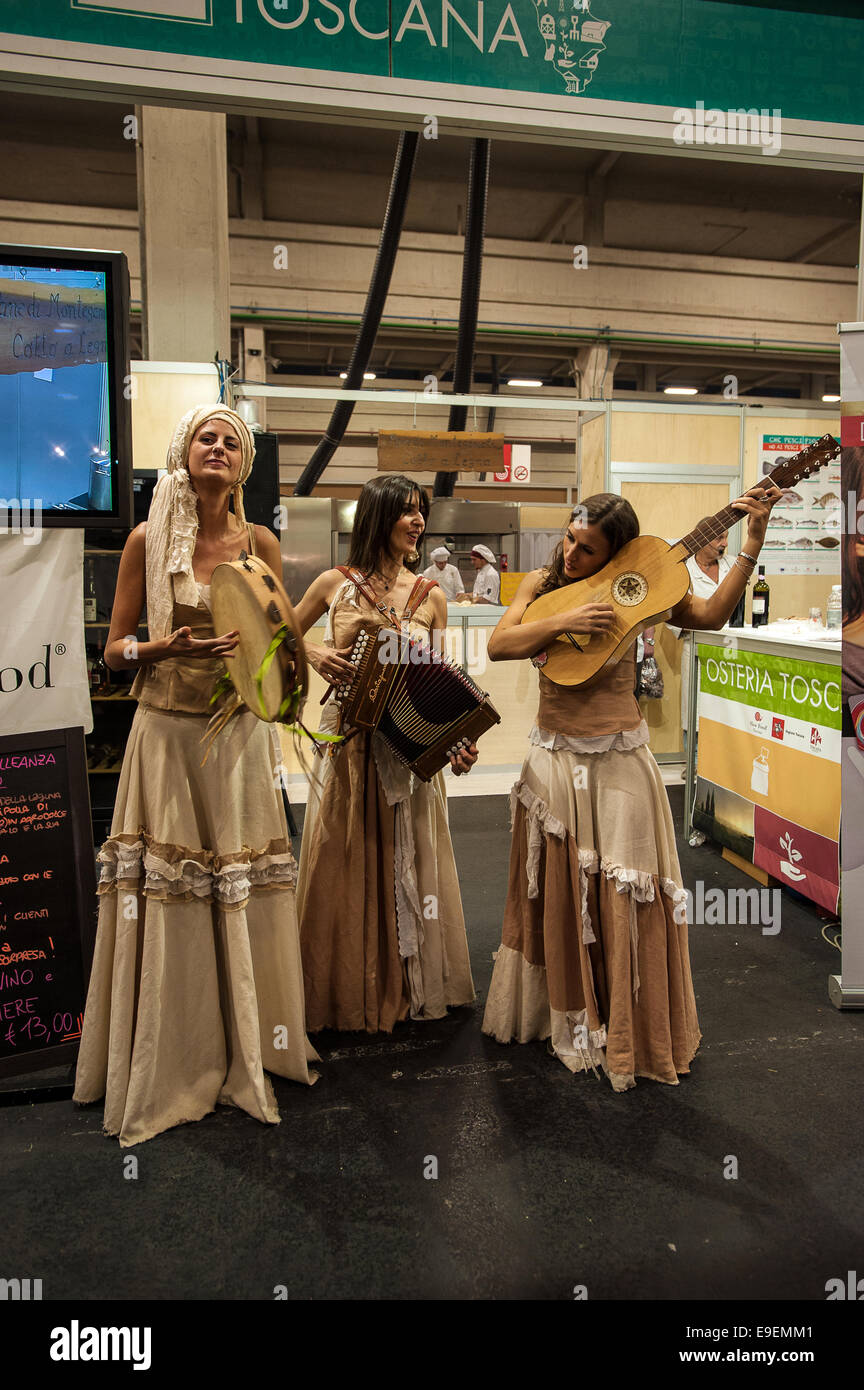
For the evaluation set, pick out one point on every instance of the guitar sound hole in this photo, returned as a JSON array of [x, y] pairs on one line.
[[629, 589]]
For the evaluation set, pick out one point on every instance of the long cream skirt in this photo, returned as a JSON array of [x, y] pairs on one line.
[[196, 986]]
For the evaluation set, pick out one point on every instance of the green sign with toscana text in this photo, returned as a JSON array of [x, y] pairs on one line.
[[797, 62]]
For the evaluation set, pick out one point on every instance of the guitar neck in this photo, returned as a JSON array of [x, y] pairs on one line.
[[710, 529], [785, 475]]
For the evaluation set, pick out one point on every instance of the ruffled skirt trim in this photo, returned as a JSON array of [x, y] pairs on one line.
[[178, 874], [594, 953]]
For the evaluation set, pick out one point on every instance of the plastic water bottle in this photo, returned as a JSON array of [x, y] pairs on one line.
[[835, 606]]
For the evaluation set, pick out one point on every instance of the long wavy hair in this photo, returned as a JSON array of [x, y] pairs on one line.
[[617, 521], [852, 568], [382, 502]]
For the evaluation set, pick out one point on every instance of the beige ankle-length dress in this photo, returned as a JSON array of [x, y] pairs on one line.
[[381, 926], [594, 946], [196, 987]]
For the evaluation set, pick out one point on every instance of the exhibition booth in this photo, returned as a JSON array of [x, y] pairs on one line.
[[354, 884]]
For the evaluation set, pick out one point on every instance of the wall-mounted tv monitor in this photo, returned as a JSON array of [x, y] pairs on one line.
[[65, 418]]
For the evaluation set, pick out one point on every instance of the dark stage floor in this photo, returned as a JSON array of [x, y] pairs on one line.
[[545, 1180]]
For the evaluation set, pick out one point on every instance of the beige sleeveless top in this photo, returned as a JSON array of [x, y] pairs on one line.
[[185, 685], [349, 611], [606, 706]]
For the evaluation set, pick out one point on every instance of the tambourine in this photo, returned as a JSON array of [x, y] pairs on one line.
[[268, 668]]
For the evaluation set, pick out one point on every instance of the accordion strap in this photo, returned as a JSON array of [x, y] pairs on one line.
[[421, 588], [418, 594]]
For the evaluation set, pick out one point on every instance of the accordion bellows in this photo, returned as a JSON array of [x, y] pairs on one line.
[[423, 705]]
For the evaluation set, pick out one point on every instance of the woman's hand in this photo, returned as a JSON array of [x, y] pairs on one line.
[[464, 760], [330, 662], [591, 617], [757, 503], [182, 643]]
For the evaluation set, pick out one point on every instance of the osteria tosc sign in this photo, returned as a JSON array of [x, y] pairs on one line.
[[662, 53]]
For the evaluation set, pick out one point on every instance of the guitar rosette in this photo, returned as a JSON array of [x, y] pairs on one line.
[[629, 589]]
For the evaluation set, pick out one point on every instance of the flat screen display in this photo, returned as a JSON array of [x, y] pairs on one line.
[[65, 449]]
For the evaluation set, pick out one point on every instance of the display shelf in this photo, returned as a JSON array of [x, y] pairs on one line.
[[110, 729]]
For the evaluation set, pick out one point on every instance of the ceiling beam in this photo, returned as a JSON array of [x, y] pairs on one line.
[[557, 220], [822, 243]]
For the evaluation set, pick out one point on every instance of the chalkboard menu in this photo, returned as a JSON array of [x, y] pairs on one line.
[[47, 898]]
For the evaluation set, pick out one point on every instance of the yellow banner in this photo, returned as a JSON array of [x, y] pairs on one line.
[[787, 781]]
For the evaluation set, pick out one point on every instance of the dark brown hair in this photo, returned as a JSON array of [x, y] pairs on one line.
[[383, 500], [617, 521], [851, 567]]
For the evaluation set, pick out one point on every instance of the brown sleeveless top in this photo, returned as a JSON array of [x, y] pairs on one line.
[[185, 685], [606, 706]]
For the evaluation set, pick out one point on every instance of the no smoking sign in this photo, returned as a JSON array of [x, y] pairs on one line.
[[517, 464]]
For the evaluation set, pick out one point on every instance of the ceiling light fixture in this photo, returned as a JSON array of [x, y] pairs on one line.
[[523, 381], [367, 376], [680, 391], [830, 399]]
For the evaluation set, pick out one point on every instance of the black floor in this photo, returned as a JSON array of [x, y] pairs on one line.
[[545, 1180]]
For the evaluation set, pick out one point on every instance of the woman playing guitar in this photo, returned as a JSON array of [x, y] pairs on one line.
[[594, 949]]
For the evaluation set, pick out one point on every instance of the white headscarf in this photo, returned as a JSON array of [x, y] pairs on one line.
[[172, 522]]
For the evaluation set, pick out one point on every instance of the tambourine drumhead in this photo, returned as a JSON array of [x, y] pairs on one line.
[[248, 596]]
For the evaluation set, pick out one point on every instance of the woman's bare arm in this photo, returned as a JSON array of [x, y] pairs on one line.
[[268, 549], [330, 663], [123, 651], [513, 639]]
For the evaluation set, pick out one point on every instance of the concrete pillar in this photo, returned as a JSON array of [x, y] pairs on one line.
[[183, 210], [596, 366]]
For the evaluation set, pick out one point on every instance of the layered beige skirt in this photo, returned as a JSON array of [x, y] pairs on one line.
[[594, 949], [196, 987], [381, 925]]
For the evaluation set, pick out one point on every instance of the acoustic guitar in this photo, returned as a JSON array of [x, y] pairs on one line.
[[644, 582]]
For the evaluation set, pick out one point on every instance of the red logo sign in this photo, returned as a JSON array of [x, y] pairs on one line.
[[777, 727], [797, 857]]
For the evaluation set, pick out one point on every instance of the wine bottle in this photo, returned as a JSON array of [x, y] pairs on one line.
[[761, 596], [90, 609]]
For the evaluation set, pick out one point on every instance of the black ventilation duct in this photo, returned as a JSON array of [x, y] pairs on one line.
[[388, 245], [472, 264]]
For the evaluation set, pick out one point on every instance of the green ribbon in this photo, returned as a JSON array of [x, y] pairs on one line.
[[276, 642], [288, 709], [222, 686]]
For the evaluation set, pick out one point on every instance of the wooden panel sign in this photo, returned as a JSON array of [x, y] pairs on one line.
[[434, 451], [47, 898]]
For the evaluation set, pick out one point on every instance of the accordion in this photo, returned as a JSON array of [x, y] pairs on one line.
[[419, 702]]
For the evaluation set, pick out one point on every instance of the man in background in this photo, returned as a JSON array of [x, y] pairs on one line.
[[446, 575], [487, 584]]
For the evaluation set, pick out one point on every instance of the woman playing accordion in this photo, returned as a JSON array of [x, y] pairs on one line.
[[381, 926]]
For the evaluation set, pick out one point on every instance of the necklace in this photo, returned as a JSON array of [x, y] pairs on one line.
[[388, 583]]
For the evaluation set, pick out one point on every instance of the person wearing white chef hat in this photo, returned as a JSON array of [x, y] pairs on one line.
[[446, 575], [487, 585]]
